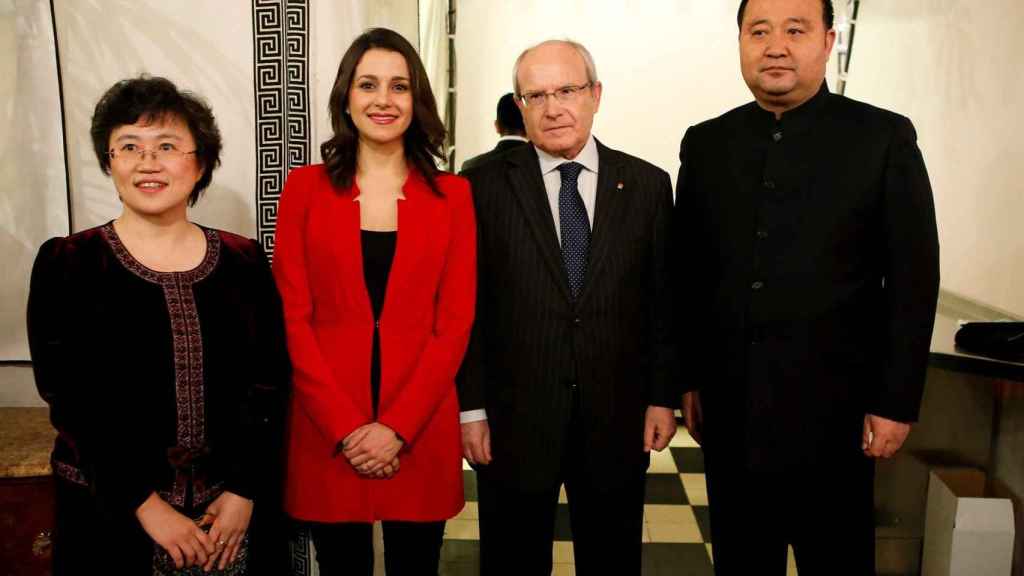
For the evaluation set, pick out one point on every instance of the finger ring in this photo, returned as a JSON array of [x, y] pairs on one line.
[[221, 543]]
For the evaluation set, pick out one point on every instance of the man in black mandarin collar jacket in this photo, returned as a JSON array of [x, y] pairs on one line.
[[806, 231], [574, 382]]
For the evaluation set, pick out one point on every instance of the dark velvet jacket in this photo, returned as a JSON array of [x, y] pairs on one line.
[[810, 257], [166, 382]]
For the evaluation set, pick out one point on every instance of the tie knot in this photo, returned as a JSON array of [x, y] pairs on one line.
[[570, 171]]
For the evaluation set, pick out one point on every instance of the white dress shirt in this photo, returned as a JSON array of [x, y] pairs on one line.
[[587, 184], [513, 137]]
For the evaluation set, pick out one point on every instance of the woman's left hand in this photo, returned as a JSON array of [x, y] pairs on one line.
[[231, 520]]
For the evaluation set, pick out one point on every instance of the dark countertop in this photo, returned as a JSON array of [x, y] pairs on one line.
[[944, 353]]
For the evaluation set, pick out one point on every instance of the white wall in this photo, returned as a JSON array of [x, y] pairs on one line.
[[954, 67], [18, 386]]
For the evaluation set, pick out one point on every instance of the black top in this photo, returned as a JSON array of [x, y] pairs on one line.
[[378, 253]]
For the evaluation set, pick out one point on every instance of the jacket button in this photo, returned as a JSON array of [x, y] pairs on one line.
[[577, 321], [757, 285], [769, 184], [761, 234]]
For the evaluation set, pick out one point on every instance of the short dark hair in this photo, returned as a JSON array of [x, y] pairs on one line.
[[510, 119], [423, 140], [153, 99], [828, 13]]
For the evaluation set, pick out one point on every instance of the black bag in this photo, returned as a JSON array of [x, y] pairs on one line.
[[1001, 340]]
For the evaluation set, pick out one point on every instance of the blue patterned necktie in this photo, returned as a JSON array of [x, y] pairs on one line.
[[574, 227]]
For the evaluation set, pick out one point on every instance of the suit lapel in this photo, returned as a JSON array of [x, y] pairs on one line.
[[609, 207], [528, 188]]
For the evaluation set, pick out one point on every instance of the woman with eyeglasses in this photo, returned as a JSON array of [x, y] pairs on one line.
[[159, 346], [375, 258]]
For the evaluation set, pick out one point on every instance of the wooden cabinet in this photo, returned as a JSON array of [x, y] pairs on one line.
[[26, 526], [26, 492]]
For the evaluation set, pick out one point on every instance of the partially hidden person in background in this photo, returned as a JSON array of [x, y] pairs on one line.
[[511, 132]]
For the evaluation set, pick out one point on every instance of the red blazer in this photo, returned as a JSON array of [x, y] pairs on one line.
[[424, 329]]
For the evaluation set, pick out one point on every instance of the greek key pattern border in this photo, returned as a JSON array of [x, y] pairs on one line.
[[281, 78]]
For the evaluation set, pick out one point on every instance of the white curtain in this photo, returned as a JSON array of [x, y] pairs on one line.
[[205, 47], [33, 187], [433, 46]]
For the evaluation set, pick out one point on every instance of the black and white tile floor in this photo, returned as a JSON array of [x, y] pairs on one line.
[[676, 535]]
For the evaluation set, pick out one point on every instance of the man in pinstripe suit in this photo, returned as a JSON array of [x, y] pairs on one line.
[[568, 377]]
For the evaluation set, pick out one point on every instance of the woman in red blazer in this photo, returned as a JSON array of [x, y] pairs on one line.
[[375, 259]]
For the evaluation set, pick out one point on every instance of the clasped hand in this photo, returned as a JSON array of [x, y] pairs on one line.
[[372, 450], [186, 542]]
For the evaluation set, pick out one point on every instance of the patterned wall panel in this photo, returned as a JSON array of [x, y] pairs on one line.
[[281, 81]]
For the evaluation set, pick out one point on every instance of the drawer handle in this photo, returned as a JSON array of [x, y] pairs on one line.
[[42, 544]]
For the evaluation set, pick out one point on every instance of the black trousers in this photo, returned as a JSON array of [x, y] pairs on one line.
[[410, 548], [517, 526], [825, 511]]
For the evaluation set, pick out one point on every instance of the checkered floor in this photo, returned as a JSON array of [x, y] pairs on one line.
[[676, 535]]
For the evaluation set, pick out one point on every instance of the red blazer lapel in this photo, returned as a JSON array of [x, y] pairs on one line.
[[414, 237], [347, 276]]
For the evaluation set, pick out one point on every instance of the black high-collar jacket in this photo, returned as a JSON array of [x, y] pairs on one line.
[[808, 259]]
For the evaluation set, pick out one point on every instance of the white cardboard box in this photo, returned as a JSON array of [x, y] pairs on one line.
[[965, 533]]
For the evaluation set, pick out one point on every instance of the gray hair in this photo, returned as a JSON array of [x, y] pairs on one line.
[[588, 61]]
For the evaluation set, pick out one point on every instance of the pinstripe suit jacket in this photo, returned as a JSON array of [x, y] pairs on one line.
[[534, 352]]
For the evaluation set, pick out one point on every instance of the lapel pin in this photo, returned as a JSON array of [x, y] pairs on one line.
[[619, 186]]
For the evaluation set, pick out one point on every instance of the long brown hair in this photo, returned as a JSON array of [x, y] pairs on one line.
[[424, 138]]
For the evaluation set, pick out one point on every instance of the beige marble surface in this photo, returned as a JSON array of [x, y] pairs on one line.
[[26, 439]]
